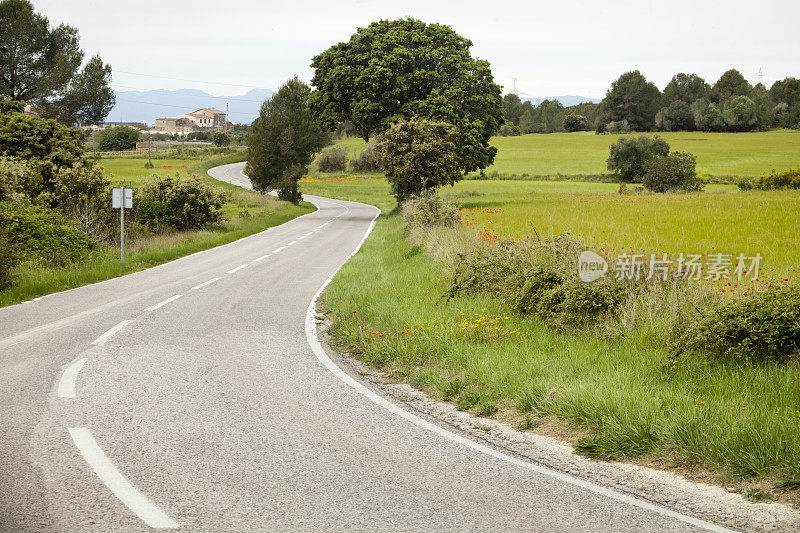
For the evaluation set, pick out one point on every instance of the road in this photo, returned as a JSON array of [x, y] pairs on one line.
[[194, 395]]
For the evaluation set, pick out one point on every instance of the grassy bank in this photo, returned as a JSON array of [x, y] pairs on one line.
[[737, 421], [246, 213], [584, 153]]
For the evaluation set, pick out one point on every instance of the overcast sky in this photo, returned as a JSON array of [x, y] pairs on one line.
[[554, 48]]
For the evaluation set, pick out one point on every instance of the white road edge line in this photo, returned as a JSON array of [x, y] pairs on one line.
[[102, 339], [119, 484], [237, 269], [257, 259], [319, 351], [291, 243], [205, 283], [165, 302], [66, 385], [275, 251], [301, 237]]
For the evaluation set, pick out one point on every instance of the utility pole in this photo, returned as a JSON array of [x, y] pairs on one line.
[[760, 76], [514, 86]]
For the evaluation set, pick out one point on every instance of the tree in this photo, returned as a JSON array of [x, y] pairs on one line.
[[633, 99], [686, 88], [512, 108], [730, 84], [406, 68], [677, 117], [551, 116], [40, 65], [629, 155], [118, 138], [283, 140], [418, 155], [708, 117], [221, 138], [739, 114], [574, 122]]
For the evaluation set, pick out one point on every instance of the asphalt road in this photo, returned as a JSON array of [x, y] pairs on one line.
[[194, 395]]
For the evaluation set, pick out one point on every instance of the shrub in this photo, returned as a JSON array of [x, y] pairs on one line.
[[428, 210], [508, 130], [675, 171], [332, 159], [418, 155], [628, 156], [40, 235], [781, 180], [365, 161], [221, 138], [760, 326], [739, 114], [18, 178], [180, 204], [118, 138], [575, 122], [620, 126], [84, 194]]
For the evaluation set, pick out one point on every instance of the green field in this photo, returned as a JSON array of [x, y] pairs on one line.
[[718, 154], [130, 172], [738, 422]]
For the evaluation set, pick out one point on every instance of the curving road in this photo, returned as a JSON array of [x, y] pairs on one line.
[[195, 395]]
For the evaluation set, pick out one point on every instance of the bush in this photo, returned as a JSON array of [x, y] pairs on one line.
[[709, 118], [620, 126], [782, 180], [365, 161], [628, 156], [675, 171], [739, 114], [83, 193], [760, 326], [40, 235], [117, 139], [7, 262], [428, 210], [180, 204], [574, 122], [508, 130], [332, 159], [221, 138], [18, 178], [419, 155], [746, 184]]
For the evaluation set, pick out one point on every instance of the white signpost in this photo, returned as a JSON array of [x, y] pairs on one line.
[[122, 199]]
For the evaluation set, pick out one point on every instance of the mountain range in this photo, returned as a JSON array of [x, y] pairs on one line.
[[147, 106]]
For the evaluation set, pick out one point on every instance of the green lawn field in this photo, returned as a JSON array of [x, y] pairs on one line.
[[718, 154], [131, 172]]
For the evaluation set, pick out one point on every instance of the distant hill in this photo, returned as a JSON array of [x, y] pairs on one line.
[[147, 106], [566, 101]]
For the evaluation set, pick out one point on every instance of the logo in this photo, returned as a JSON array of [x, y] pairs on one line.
[[591, 266]]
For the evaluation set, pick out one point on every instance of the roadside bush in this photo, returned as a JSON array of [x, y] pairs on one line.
[[574, 122], [757, 327], [83, 193], [117, 139], [675, 171], [628, 156], [41, 235], [365, 161], [332, 159], [180, 204], [429, 210], [18, 178], [780, 180]]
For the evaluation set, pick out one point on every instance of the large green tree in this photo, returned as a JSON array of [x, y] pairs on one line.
[[283, 140], [632, 98], [686, 88], [41, 65], [730, 84], [398, 69]]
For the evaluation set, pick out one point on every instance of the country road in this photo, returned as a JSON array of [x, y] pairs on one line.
[[194, 395]]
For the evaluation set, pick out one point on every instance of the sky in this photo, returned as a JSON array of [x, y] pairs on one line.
[[553, 48]]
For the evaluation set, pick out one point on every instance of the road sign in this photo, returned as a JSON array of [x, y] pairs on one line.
[[120, 193], [122, 199]]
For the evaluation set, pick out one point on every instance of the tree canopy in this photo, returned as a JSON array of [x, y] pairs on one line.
[[730, 84], [406, 68], [41, 65], [283, 140], [633, 99], [686, 88]]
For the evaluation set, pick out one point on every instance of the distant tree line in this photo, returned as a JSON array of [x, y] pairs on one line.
[[687, 103]]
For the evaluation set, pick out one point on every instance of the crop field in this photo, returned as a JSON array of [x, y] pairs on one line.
[[718, 154], [131, 172]]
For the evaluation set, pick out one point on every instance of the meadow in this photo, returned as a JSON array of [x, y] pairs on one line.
[[584, 153], [733, 423]]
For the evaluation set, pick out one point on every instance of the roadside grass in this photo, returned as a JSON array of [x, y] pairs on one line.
[[246, 212], [584, 153], [738, 421]]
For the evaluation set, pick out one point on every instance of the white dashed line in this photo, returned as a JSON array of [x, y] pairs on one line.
[[261, 258], [117, 483], [308, 234], [205, 283], [165, 302], [66, 386], [291, 243], [102, 339], [301, 237], [237, 269], [275, 251]]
